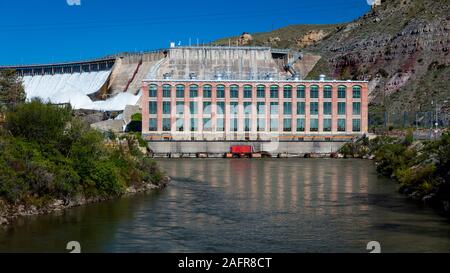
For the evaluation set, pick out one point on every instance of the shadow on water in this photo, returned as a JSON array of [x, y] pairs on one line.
[[270, 205]]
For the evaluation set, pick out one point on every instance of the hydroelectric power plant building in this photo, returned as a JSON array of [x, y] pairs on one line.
[[205, 99]]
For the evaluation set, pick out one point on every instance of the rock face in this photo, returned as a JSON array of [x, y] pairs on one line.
[[311, 38], [401, 47]]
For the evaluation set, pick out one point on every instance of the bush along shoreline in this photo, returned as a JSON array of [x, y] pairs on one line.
[[422, 168], [51, 160]]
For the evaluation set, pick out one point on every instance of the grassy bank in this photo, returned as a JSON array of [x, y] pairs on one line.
[[422, 168], [47, 155]]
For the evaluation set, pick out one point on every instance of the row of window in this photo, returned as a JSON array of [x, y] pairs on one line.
[[260, 108], [248, 91], [261, 125]]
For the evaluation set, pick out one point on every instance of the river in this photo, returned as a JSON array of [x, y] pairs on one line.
[[241, 205]]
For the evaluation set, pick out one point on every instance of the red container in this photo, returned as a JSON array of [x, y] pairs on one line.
[[241, 149]]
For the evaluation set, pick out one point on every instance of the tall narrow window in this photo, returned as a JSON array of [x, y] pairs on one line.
[[193, 108], [274, 108], [314, 126], [166, 107], [167, 91], [314, 108], [356, 92], [327, 92], [261, 108], [220, 108], [152, 107], [247, 108], [207, 126], [180, 91], [234, 109], [206, 107], [341, 108], [274, 124], [356, 108], [287, 92], [180, 108], [287, 108], [247, 92], [153, 91], [341, 125], [193, 91], [327, 108], [274, 91], [261, 124], [327, 125], [220, 91], [152, 124], [194, 124], [166, 124], [356, 125], [247, 125], [234, 91], [300, 125], [220, 125], [287, 125], [301, 108], [341, 91], [233, 125], [301, 91], [207, 91], [260, 91], [314, 92]]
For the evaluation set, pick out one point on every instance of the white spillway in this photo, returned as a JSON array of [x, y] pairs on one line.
[[74, 89]]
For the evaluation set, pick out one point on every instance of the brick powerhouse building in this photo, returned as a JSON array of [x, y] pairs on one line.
[[252, 110]]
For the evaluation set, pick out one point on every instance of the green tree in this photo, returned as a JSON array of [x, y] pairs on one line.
[[11, 89]]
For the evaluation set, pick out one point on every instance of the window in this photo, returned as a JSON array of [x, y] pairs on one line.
[[261, 108], [314, 92], [356, 108], [180, 91], [207, 126], [341, 125], [193, 91], [220, 125], [166, 124], [247, 108], [220, 108], [356, 92], [261, 124], [301, 91], [179, 124], [207, 93], [247, 125], [327, 92], [152, 107], [300, 125], [327, 108], [180, 108], [274, 108], [314, 125], [153, 91], [152, 124], [356, 124], [166, 107], [327, 125], [260, 91], [287, 92], [274, 124], [314, 108], [194, 124], [274, 91], [234, 108], [193, 107], [341, 91], [247, 92], [220, 91], [287, 108], [167, 91], [287, 125], [341, 108], [206, 107], [234, 91], [233, 125], [300, 108]]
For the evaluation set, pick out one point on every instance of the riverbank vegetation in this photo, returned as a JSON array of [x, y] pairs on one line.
[[422, 168], [48, 155]]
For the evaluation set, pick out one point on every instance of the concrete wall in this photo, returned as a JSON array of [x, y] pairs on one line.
[[298, 148]]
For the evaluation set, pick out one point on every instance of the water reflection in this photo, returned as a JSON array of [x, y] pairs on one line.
[[273, 205]]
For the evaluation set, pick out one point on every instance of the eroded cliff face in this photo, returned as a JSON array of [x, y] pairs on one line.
[[402, 48]]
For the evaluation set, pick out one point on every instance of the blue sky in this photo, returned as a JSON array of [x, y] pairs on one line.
[[44, 31]]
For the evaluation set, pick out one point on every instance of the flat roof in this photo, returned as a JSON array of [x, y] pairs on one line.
[[253, 81]]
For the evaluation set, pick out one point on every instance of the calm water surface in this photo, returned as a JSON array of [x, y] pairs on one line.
[[270, 205]]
